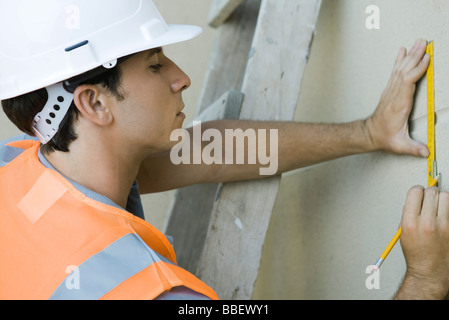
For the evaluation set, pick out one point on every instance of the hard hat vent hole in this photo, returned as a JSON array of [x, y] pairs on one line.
[[56, 107], [52, 115], [61, 99], [48, 121]]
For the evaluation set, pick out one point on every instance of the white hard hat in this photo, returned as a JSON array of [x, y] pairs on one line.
[[45, 42]]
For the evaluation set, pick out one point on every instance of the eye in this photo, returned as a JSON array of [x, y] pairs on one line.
[[156, 67]]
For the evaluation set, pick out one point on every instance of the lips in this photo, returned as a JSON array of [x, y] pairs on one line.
[[180, 111]]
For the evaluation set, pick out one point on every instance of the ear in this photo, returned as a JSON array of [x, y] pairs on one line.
[[93, 104]]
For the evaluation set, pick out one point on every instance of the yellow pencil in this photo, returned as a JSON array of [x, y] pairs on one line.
[[397, 236]]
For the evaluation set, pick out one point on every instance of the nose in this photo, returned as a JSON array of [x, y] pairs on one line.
[[181, 80]]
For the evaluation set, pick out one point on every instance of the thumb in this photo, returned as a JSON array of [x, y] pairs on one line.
[[416, 149]]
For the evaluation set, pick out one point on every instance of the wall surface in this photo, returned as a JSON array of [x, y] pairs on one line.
[[333, 220]]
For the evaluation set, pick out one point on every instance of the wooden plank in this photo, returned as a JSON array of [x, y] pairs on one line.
[[221, 10], [231, 256], [229, 57], [228, 106], [189, 214]]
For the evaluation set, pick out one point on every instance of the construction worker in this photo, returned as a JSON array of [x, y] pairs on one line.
[[97, 102]]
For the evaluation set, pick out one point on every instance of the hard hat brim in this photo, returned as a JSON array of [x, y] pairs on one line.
[[175, 33], [179, 33]]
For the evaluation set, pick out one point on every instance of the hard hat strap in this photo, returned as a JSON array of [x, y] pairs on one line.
[[47, 122], [60, 98]]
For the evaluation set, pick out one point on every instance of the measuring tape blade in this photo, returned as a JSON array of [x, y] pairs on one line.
[[431, 162]]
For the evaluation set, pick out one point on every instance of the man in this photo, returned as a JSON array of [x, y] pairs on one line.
[[105, 125]]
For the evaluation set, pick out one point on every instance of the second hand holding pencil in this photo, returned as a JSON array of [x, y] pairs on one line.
[[397, 236]]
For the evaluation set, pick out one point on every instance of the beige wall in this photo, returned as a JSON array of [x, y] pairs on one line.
[[333, 220]]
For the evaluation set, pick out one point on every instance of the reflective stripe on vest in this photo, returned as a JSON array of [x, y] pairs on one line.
[[47, 226], [101, 273]]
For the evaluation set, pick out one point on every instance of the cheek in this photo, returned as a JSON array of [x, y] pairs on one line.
[[152, 127], [148, 119]]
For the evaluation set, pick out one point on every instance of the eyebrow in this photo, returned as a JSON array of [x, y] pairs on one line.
[[154, 51]]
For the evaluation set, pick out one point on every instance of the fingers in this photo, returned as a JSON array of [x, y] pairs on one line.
[[420, 70], [420, 210], [401, 56], [430, 204], [415, 56], [413, 203], [427, 204], [415, 64], [443, 208]]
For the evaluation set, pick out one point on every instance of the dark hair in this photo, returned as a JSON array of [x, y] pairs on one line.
[[22, 110]]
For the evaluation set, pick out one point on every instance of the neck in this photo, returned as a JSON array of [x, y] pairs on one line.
[[98, 167]]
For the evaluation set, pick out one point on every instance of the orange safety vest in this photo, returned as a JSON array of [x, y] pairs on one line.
[[56, 243]]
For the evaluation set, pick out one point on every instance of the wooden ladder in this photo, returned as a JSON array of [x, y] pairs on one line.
[[255, 73]]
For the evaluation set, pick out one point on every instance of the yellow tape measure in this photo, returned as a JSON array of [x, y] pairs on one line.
[[431, 161]]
